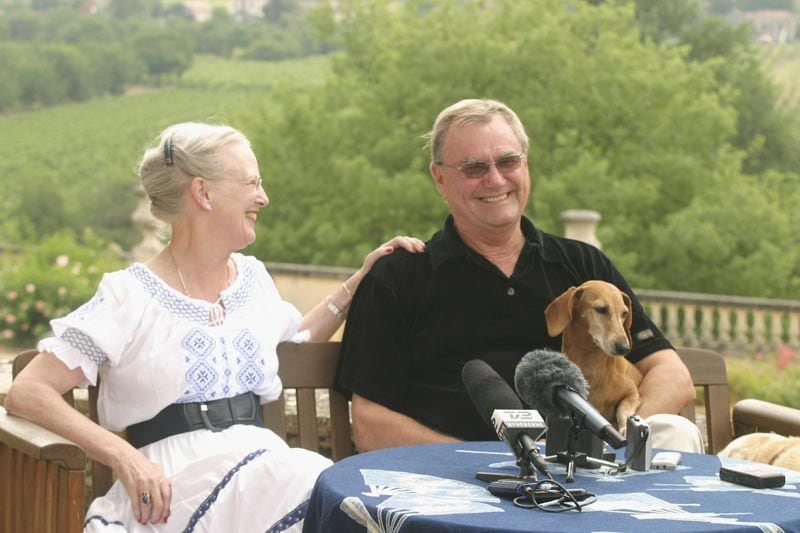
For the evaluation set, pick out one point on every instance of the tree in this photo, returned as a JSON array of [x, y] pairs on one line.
[[125, 9], [276, 11], [163, 51], [618, 125]]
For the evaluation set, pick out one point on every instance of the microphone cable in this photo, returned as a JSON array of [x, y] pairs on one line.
[[551, 496]]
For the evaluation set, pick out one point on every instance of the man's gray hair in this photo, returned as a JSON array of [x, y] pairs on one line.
[[472, 110]]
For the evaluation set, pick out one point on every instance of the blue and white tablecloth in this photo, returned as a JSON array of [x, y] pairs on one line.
[[433, 488]]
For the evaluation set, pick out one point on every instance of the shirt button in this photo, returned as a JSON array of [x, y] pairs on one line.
[[511, 291]]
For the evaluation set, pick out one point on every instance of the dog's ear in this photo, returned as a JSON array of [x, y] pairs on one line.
[[559, 313], [629, 318]]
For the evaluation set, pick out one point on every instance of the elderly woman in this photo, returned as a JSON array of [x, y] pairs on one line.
[[185, 345]]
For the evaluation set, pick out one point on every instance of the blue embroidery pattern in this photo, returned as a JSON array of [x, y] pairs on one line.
[[247, 344], [240, 296], [84, 344], [297, 514], [198, 342], [211, 498], [177, 305], [103, 521], [201, 374], [250, 376]]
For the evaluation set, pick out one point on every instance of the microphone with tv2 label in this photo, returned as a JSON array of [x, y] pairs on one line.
[[501, 408]]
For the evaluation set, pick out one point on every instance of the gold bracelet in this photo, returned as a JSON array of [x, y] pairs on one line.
[[333, 308]]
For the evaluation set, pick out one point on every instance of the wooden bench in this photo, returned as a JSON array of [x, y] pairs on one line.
[[43, 486], [750, 416], [709, 374], [43, 482]]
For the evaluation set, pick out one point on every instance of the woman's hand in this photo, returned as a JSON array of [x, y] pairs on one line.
[[326, 317], [150, 492], [412, 244]]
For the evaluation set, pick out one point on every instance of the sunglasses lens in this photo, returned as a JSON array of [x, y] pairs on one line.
[[508, 163], [475, 169]]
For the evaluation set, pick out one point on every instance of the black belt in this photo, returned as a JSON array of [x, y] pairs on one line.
[[215, 415]]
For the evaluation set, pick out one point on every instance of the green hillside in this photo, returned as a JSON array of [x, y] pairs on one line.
[[72, 165]]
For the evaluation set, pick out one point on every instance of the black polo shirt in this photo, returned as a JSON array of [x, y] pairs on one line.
[[417, 318]]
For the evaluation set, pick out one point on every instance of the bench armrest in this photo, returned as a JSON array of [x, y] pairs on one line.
[[39, 443], [752, 415]]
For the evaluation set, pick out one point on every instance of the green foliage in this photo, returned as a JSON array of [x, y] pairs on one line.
[[63, 57], [763, 379], [211, 72], [276, 11], [49, 280], [624, 127], [72, 166], [723, 7], [766, 133], [163, 51]]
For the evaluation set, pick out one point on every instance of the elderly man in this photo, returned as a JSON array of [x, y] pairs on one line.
[[479, 291]]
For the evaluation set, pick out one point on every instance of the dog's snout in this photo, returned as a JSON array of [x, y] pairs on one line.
[[621, 348]]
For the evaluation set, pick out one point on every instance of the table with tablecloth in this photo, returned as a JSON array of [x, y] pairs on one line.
[[432, 488]]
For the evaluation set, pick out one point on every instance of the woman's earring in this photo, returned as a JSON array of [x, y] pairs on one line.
[[208, 206]]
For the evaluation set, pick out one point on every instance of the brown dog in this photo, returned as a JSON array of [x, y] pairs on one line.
[[595, 319], [768, 448]]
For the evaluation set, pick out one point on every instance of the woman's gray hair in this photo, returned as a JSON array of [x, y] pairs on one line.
[[180, 153], [472, 110]]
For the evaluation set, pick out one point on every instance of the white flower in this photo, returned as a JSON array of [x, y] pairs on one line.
[[62, 261]]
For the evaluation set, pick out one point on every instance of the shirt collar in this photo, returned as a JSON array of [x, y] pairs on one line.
[[447, 243]]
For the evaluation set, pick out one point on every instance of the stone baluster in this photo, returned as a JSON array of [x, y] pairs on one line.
[[673, 320], [776, 328], [690, 325], [706, 325], [724, 336], [794, 330], [759, 329], [655, 311], [741, 336]]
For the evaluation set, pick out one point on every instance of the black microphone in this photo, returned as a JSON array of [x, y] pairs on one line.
[[555, 386], [502, 409]]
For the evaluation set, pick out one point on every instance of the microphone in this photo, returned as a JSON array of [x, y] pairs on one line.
[[555, 386], [502, 409]]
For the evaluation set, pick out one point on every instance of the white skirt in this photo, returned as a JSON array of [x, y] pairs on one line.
[[244, 478]]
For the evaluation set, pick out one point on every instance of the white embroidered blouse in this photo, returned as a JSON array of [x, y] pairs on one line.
[[152, 345]]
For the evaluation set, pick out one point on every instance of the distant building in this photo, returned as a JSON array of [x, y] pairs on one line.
[[769, 25], [200, 9], [247, 9]]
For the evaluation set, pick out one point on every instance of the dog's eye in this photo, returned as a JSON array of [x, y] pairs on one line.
[[601, 309]]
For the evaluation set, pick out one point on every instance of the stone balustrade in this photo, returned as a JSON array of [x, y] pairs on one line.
[[729, 324]]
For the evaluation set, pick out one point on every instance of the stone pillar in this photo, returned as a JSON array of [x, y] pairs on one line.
[[580, 224], [149, 226]]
